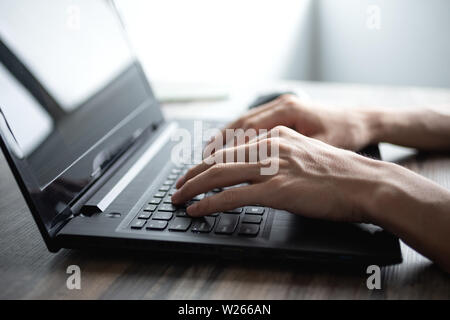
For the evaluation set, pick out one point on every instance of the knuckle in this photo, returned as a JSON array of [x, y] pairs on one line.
[[272, 142], [251, 123], [269, 147], [279, 130], [284, 147], [288, 99], [282, 109]]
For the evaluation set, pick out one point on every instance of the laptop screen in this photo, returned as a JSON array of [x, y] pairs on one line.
[[72, 95]]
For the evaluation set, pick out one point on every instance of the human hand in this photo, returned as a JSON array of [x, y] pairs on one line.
[[313, 179], [342, 128]]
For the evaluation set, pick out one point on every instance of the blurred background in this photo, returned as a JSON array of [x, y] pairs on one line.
[[389, 42]]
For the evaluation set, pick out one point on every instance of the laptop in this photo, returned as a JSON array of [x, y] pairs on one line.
[[91, 151]]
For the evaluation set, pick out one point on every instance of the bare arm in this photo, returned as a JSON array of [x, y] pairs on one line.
[[426, 129], [412, 207]]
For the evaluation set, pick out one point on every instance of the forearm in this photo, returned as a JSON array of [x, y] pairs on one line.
[[412, 207], [426, 129]]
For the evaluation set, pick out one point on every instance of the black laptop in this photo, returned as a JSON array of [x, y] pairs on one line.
[[91, 151]]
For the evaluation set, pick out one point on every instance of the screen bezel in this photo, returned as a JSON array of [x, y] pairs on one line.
[[37, 200]]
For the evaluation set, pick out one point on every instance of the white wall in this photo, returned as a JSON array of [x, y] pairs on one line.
[[325, 40], [220, 41], [412, 46]]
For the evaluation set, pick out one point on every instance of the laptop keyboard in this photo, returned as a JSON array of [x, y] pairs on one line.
[[159, 214]]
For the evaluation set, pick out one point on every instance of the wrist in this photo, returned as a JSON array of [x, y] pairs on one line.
[[393, 189], [377, 188], [393, 126], [383, 190], [377, 125]]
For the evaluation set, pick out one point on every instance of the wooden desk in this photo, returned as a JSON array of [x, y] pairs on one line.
[[28, 270]]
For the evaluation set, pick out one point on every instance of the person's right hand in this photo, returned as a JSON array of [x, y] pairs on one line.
[[348, 129], [310, 178]]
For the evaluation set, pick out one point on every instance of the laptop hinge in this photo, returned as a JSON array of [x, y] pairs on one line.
[[100, 201], [106, 175]]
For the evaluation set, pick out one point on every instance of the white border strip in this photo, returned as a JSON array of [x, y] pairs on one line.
[[137, 167]]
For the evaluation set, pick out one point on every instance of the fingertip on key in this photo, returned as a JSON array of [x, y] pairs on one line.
[[175, 197], [180, 182], [192, 210]]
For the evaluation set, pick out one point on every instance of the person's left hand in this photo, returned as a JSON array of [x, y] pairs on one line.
[[313, 179]]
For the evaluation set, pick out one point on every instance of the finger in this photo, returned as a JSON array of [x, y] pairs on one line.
[[219, 176], [228, 199], [221, 139], [252, 113], [265, 121], [271, 118], [241, 153], [258, 125], [264, 107]]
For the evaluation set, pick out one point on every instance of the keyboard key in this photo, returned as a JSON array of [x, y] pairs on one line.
[[215, 214], [162, 215], [164, 188], [150, 207], [254, 210], [187, 204], [180, 224], [203, 225], [252, 219], [227, 224], [156, 225], [176, 171], [181, 213], [198, 197], [168, 199], [155, 201], [250, 230], [169, 182], [167, 207], [144, 215], [160, 194], [172, 176], [172, 191], [138, 223], [236, 210]]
